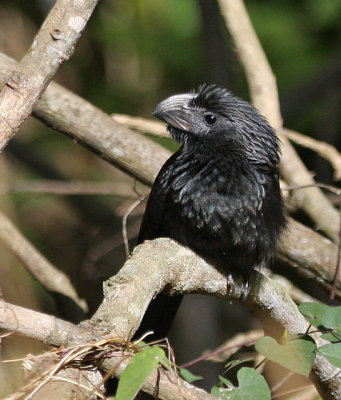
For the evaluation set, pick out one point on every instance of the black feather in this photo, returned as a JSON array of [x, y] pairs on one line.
[[219, 193]]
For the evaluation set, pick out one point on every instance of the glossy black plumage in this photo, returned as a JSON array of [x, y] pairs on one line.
[[219, 193]]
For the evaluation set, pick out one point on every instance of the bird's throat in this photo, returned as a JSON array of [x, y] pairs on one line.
[[178, 135]]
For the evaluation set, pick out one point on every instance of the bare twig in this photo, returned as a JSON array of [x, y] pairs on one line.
[[124, 224], [53, 45], [52, 330], [47, 274], [309, 389], [264, 95], [279, 384], [338, 262], [261, 80], [324, 149], [59, 187], [145, 125], [228, 348]]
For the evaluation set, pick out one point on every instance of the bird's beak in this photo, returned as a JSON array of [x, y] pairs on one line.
[[175, 111]]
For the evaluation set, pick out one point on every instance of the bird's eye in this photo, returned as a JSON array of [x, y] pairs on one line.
[[210, 119]]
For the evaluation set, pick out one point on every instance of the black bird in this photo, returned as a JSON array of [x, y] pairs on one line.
[[219, 193]]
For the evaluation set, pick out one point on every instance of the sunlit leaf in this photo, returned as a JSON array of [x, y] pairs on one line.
[[188, 376], [331, 318], [137, 371], [313, 312], [297, 355], [332, 352], [252, 386]]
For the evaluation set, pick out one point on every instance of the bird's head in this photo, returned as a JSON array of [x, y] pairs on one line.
[[213, 116]]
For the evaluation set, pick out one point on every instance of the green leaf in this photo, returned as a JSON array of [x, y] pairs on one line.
[[331, 319], [332, 337], [137, 371], [221, 393], [297, 355], [188, 376], [332, 352], [252, 386], [225, 381], [313, 312], [235, 363], [218, 388]]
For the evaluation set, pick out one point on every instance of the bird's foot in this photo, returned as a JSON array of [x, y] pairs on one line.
[[238, 285]]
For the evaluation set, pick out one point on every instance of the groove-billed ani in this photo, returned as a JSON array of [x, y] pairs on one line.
[[219, 193]]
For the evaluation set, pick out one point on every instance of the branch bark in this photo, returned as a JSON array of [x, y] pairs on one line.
[[166, 264], [68, 113], [73, 187], [53, 45]]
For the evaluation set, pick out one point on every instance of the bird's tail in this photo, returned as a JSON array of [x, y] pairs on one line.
[[159, 316]]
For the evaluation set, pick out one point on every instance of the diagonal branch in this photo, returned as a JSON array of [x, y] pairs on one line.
[[324, 149], [47, 274], [53, 45], [66, 112]]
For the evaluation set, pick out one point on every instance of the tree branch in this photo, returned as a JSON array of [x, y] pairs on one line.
[[142, 125], [323, 149], [310, 254], [56, 332], [68, 113], [166, 264], [53, 45], [43, 271], [69, 188]]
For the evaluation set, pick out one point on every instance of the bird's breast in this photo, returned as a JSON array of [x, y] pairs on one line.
[[216, 197]]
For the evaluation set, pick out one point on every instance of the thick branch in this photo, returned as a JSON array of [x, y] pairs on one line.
[[91, 127], [264, 95], [167, 264], [56, 332], [53, 45], [312, 255], [45, 328]]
